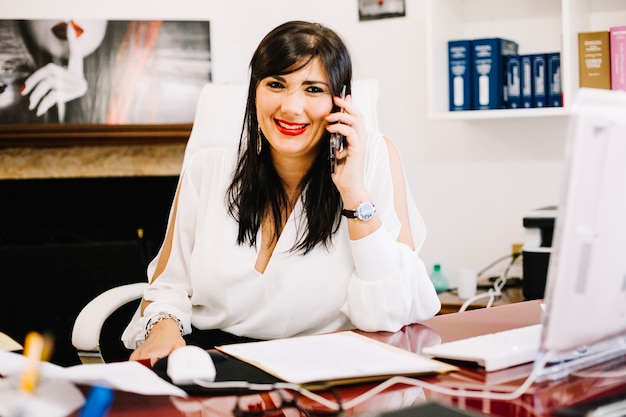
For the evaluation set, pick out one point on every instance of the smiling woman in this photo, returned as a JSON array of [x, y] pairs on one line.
[[291, 110], [263, 240]]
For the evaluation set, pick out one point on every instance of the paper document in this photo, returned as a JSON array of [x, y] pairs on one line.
[[52, 399], [125, 376], [8, 344], [333, 358]]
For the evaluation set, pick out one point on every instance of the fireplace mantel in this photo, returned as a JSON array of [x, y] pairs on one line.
[[91, 161]]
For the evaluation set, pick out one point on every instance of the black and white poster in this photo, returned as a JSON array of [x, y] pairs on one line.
[[102, 72]]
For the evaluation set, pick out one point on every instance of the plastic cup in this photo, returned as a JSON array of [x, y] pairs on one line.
[[466, 279]]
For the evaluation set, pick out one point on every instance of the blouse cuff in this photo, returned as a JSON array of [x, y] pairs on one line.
[[154, 309], [376, 256]]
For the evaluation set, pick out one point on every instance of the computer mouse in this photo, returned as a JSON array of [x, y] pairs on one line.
[[188, 363]]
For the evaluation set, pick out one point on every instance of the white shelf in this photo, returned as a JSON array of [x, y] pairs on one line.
[[536, 25], [499, 114]]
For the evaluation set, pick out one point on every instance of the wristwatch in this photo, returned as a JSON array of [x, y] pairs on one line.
[[364, 211]]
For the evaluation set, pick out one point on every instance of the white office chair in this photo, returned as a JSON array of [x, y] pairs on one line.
[[218, 122]]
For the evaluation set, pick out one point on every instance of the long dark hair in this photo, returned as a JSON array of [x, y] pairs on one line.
[[256, 186]]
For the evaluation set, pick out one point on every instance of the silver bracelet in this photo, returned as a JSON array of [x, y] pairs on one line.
[[162, 316]]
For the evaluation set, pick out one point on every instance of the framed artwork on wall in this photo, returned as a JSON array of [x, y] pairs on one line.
[[84, 81], [381, 9]]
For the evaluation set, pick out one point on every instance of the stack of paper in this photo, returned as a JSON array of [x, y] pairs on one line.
[[319, 361], [8, 344]]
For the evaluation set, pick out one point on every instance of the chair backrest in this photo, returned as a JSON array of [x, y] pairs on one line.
[[221, 108]]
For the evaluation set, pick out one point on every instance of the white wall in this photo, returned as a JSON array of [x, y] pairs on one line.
[[474, 181]]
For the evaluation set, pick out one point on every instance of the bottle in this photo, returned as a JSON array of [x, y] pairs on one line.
[[438, 279]]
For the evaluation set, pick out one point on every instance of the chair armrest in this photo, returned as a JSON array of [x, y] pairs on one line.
[[89, 322]]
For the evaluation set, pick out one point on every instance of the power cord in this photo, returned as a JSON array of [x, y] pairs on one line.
[[497, 261], [456, 392], [498, 284]]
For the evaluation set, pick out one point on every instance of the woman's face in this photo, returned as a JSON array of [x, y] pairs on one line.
[[51, 35], [291, 110]]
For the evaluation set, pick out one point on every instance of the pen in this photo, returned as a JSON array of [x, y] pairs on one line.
[[33, 350], [37, 348], [98, 402]]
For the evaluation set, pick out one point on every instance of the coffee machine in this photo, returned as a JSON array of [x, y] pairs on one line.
[[538, 232]]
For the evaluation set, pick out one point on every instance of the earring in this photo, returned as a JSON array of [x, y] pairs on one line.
[[259, 142]]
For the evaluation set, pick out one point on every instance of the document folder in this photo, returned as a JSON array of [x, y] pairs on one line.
[[320, 361]]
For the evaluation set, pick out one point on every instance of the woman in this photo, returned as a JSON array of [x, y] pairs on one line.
[[268, 243]]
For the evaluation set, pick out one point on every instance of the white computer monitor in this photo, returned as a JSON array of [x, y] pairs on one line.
[[585, 301]]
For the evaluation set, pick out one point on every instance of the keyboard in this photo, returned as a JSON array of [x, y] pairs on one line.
[[493, 351]]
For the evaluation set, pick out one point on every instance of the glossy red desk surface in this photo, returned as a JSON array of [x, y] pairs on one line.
[[539, 400]]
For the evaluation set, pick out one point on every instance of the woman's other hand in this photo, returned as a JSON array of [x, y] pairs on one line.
[[163, 339]]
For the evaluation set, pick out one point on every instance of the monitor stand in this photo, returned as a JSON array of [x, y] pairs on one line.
[[583, 358]]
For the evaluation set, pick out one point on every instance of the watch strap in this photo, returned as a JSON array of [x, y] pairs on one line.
[[364, 211], [350, 214]]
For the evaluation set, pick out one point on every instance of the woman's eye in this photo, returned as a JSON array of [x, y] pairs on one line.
[[315, 90], [275, 85]]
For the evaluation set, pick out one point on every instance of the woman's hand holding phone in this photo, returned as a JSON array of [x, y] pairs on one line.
[[337, 141], [347, 146]]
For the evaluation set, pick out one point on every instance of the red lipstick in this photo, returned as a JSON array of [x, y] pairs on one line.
[[290, 128], [60, 30]]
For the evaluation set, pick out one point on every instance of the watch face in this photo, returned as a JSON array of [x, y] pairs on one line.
[[365, 211]]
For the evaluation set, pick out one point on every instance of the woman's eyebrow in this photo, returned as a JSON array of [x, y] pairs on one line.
[[313, 82], [305, 83]]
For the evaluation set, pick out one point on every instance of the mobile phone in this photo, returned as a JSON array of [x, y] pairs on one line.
[[337, 141]]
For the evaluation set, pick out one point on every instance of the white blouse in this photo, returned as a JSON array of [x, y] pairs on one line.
[[374, 284]]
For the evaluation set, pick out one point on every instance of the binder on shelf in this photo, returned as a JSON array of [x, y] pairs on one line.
[[513, 78], [553, 66], [489, 72], [594, 59], [539, 80], [617, 42], [526, 80], [459, 74]]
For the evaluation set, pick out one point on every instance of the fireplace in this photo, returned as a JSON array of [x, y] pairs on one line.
[[64, 241]]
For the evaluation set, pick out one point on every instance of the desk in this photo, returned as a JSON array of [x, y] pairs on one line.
[[538, 401]]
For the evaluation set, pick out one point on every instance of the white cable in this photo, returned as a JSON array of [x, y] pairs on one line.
[[494, 292], [500, 259], [503, 396], [491, 299], [600, 374], [333, 405], [477, 297]]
